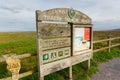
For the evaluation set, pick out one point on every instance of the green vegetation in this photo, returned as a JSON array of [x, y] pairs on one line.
[[25, 42], [98, 35], [18, 43]]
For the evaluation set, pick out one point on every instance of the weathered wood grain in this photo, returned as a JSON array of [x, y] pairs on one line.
[[55, 66], [46, 30], [82, 52], [80, 58], [106, 47], [106, 40], [54, 43], [21, 75], [17, 56], [61, 14]]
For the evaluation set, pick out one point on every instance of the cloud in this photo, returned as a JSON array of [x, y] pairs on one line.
[[11, 9], [20, 14]]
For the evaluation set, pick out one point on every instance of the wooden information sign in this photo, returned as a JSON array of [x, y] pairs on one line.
[[64, 38]]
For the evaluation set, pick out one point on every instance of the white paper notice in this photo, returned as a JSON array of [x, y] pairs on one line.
[[79, 36], [79, 32]]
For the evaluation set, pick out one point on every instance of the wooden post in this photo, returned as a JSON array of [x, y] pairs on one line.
[[72, 51], [119, 43], [88, 64], [41, 78], [109, 43], [70, 73], [38, 50]]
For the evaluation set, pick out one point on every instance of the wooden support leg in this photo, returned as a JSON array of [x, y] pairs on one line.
[[70, 73], [41, 77], [88, 64]]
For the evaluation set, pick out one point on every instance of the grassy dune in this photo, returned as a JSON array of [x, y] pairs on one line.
[[25, 42]]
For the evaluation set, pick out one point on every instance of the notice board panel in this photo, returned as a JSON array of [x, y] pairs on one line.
[[81, 39]]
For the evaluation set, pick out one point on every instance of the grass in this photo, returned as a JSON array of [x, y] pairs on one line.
[[25, 42], [104, 34], [18, 43]]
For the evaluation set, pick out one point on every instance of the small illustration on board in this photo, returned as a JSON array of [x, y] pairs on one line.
[[60, 53], [53, 55], [66, 52], [45, 56]]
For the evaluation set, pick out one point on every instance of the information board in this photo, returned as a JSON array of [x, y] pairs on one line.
[[61, 42], [82, 38]]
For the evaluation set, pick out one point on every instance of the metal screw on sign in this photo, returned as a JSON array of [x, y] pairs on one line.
[[13, 65]]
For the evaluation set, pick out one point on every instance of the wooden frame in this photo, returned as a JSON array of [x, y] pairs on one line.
[[47, 42]]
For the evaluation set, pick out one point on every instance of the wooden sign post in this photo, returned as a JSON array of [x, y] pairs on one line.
[[13, 65], [64, 38]]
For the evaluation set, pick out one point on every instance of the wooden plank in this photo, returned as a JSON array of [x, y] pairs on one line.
[[20, 76], [26, 74], [82, 52], [106, 40], [106, 47], [46, 30], [17, 56], [115, 38], [115, 45], [54, 43], [55, 66], [100, 41], [55, 54], [100, 49], [61, 14], [80, 58]]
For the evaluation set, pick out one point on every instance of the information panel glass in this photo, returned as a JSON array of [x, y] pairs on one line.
[[82, 39]]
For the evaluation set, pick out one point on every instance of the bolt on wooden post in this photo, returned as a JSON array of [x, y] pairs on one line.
[[64, 38]]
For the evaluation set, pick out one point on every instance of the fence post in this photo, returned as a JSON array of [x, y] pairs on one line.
[[109, 43], [119, 42]]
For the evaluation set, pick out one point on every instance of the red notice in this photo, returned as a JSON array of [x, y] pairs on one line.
[[87, 34]]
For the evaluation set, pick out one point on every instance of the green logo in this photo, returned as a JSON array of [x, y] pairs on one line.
[[71, 13], [45, 56]]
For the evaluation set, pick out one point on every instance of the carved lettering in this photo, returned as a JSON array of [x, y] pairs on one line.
[[61, 14], [55, 43]]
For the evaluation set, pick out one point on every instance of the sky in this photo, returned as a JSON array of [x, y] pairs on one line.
[[19, 15]]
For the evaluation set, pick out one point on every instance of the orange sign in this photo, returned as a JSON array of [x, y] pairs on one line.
[[87, 34]]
